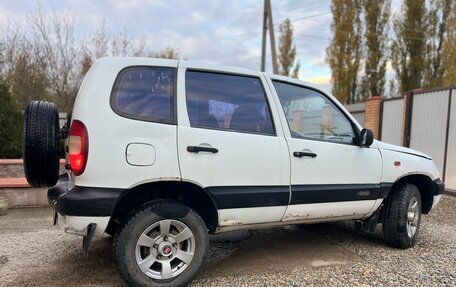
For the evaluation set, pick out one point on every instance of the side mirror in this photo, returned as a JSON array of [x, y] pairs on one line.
[[366, 138]]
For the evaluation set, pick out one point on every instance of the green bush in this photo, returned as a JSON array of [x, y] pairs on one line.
[[11, 125]]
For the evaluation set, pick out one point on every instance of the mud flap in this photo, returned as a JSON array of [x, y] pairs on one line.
[[369, 224], [87, 239], [56, 218]]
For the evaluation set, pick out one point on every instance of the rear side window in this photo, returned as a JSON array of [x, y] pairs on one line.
[[227, 102], [145, 93]]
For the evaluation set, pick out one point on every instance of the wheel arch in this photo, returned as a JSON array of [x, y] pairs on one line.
[[425, 186], [188, 193]]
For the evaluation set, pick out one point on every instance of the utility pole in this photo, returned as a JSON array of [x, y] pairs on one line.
[[268, 24], [263, 41]]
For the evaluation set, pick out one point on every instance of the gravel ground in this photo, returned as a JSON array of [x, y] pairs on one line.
[[431, 262], [35, 253]]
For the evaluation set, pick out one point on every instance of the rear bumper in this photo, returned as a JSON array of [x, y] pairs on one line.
[[82, 201], [79, 225], [77, 207]]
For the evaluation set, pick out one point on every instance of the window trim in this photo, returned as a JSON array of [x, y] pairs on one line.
[[173, 93], [356, 131], [274, 134]]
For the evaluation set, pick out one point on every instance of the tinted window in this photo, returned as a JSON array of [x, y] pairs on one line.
[[227, 102], [145, 93], [311, 115]]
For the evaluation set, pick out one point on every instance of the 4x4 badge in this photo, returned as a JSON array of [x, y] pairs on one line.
[[363, 193]]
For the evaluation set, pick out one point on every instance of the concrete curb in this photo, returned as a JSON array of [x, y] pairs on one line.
[[450, 192], [24, 197], [3, 206], [15, 188]]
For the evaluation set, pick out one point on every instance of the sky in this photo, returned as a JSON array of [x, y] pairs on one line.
[[224, 32]]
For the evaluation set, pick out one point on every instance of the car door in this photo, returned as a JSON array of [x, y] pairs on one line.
[[230, 144], [331, 176]]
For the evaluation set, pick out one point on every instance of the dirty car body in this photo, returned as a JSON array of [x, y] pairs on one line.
[[172, 146]]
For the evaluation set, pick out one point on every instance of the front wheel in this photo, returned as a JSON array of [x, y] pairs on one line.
[[402, 217], [163, 244]]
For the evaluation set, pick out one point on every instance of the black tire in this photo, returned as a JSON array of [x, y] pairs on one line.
[[41, 144], [395, 222], [126, 239]]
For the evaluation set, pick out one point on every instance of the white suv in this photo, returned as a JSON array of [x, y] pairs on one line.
[[162, 152]]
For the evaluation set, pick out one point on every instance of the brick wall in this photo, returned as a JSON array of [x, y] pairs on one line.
[[404, 141], [372, 114], [14, 186], [15, 168], [11, 168]]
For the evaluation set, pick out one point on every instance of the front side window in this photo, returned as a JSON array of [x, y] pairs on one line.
[[311, 115], [145, 93], [227, 102]]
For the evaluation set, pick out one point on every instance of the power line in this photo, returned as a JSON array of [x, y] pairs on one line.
[[307, 17], [406, 29], [347, 31], [312, 16], [299, 6], [305, 5], [311, 36]]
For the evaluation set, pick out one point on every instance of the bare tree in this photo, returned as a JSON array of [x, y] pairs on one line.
[[105, 44], [57, 47], [167, 53], [28, 80], [124, 45], [49, 58], [26, 77], [99, 44], [11, 40]]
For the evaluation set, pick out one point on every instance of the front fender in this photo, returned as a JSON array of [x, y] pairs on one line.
[[397, 165]]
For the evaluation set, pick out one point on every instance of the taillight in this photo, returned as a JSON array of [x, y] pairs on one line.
[[78, 147]]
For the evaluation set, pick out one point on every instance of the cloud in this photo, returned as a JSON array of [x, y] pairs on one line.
[[227, 32], [322, 80]]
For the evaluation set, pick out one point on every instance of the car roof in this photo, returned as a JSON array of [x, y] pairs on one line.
[[202, 65]]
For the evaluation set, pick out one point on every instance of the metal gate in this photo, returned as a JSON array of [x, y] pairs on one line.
[[425, 122], [357, 111], [450, 166], [429, 127], [391, 122]]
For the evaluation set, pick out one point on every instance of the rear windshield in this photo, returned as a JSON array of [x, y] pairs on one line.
[[145, 93]]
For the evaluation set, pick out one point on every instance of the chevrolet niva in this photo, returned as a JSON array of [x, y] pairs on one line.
[[160, 153]]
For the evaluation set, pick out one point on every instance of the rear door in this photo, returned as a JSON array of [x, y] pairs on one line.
[[230, 145], [331, 176]]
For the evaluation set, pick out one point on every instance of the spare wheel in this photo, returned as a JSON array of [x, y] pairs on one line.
[[41, 144]]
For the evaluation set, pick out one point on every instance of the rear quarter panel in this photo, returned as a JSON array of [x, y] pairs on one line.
[[109, 133]]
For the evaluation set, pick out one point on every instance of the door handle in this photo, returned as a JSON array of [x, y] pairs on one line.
[[197, 149], [302, 153]]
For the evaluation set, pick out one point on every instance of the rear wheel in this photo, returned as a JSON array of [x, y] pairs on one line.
[[41, 144], [163, 244], [402, 217]]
